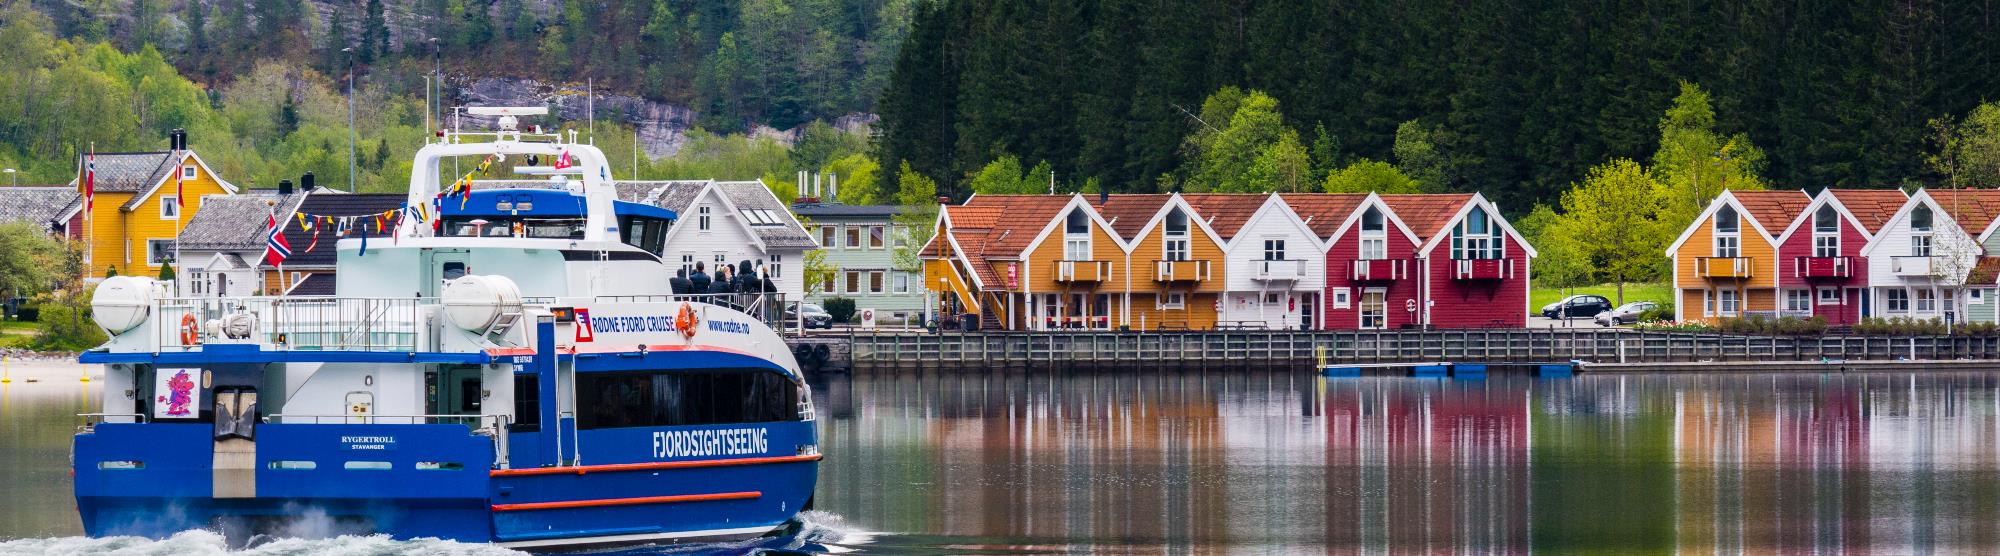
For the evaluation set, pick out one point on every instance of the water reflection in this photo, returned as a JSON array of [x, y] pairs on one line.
[[1288, 461]]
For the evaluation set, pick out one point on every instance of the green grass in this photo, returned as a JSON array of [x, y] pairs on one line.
[[1539, 296]]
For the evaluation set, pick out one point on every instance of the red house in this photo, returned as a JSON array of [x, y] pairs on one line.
[[1820, 268], [1371, 260], [1472, 265]]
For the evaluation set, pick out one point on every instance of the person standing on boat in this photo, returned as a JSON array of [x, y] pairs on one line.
[[699, 279]]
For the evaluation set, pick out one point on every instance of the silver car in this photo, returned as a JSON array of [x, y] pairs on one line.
[[1625, 314]]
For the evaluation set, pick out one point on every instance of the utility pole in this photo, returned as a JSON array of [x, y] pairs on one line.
[[350, 117]]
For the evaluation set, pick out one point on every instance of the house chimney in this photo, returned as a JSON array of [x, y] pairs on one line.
[[1104, 197], [180, 140], [306, 182], [833, 188], [284, 187]]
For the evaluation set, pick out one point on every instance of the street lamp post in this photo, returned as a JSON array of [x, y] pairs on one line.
[[349, 51]]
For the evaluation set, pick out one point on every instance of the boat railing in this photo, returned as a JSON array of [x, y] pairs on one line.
[[91, 420], [766, 307], [480, 424], [297, 322]]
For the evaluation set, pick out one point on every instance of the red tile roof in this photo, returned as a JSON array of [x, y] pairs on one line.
[[1128, 213], [1774, 210], [1985, 273], [1974, 209], [975, 217], [1323, 212], [1872, 207], [1226, 213], [1426, 214]]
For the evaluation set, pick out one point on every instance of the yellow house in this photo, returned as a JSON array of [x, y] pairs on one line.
[[133, 221], [1725, 264]]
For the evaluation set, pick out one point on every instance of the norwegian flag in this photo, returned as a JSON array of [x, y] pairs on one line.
[[276, 249], [90, 183], [562, 160]]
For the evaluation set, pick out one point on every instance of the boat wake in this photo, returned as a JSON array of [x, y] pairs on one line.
[[812, 532]]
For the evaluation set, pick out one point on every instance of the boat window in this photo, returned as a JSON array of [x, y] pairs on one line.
[[649, 234], [527, 404], [454, 270], [678, 398], [499, 226]]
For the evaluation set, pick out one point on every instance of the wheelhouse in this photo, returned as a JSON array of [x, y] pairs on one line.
[[549, 214]]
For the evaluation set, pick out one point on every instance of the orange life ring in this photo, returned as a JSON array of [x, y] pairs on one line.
[[190, 331], [685, 321]]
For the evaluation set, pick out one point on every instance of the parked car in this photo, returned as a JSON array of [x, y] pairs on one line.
[[1584, 305], [1626, 313], [815, 316]]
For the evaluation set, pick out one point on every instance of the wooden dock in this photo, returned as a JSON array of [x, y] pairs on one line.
[[1499, 347]]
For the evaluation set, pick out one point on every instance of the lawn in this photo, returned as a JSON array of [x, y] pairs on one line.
[[1537, 297]]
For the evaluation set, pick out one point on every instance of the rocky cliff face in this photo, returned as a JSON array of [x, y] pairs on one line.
[[662, 126]]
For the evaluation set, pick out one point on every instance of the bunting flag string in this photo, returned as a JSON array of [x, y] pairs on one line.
[[387, 222]]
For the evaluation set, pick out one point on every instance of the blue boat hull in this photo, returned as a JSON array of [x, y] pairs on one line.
[[437, 480]]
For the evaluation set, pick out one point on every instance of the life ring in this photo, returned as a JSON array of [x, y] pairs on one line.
[[686, 320], [190, 331]]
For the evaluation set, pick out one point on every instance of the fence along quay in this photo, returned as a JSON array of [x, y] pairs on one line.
[[1591, 350]]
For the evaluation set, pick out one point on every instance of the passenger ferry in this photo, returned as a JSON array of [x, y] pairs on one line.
[[520, 376]]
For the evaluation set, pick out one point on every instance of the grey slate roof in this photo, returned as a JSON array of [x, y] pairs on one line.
[[235, 222], [748, 195], [674, 195], [318, 283], [845, 211], [36, 205], [131, 172]]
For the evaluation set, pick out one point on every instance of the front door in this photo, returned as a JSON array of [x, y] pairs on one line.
[[1308, 305], [446, 265]]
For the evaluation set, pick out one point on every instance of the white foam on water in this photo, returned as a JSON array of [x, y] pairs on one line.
[[209, 543]]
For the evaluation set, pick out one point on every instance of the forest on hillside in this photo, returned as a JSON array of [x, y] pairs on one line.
[[1517, 99]]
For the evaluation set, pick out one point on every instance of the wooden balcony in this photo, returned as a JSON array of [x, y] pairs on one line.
[[1083, 271], [1822, 267], [1377, 270], [1277, 271], [1912, 266], [1484, 269], [1724, 267], [1180, 271]]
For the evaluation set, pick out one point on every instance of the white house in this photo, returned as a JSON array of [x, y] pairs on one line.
[[222, 245], [727, 223], [1917, 264], [1276, 269]]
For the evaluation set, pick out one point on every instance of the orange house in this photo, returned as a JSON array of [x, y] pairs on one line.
[[1725, 263]]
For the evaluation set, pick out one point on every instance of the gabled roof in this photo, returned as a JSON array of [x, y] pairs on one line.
[[1986, 272], [754, 195], [1427, 214], [975, 218], [236, 222], [326, 202], [36, 205], [130, 172], [1390, 218], [1973, 209], [1324, 212], [1780, 206], [1127, 213], [1871, 207], [1023, 217], [674, 195], [1226, 213]]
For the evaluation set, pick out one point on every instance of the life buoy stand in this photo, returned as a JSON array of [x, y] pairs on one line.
[[190, 331]]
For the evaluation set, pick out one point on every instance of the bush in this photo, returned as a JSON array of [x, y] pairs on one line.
[[1674, 326], [66, 324], [841, 308], [1906, 326], [1782, 326]]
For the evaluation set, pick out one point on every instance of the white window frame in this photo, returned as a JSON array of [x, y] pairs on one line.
[[853, 278], [1467, 243], [900, 282], [1893, 297], [169, 210], [1381, 315], [1923, 300], [777, 267], [1798, 300], [1374, 242], [1975, 296], [187, 172], [878, 282], [1274, 245], [829, 236], [899, 236], [687, 264], [1175, 246], [1707, 303], [878, 237], [1833, 299], [1920, 238], [159, 258], [1727, 244], [1173, 300], [1342, 298], [1728, 303], [702, 221], [1826, 242]]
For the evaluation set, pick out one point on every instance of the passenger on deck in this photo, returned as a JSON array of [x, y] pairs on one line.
[[699, 279]]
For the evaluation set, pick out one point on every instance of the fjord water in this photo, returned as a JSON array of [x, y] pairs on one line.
[[1288, 462]]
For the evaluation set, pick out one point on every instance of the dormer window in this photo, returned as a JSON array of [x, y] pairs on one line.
[[1920, 231], [1374, 235], [1728, 233], [1826, 232], [1175, 248], [1076, 236], [1477, 236]]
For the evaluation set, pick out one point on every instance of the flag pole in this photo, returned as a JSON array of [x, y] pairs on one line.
[[89, 206]]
